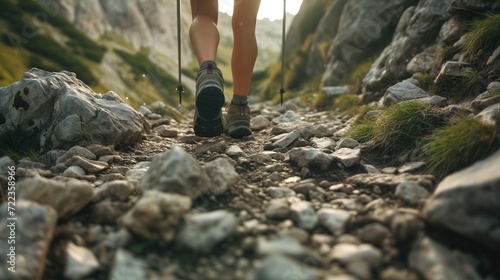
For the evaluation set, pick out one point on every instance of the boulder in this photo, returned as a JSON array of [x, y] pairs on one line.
[[468, 202], [58, 109]]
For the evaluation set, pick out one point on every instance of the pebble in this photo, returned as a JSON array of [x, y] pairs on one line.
[[334, 220], [303, 214], [411, 192], [203, 231]]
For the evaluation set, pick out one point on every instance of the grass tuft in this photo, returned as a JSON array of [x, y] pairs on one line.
[[401, 127], [484, 35], [461, 143]]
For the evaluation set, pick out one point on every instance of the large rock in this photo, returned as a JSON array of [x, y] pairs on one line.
[[490, 115], [468, 202], [364, 29], [66, 197], [33, 231], [176, 171], [51, 102], [417, 29]]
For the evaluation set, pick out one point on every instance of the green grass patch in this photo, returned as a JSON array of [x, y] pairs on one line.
[[459, 88], [400, 127], [484, 35], [462, 142], [362, 131]]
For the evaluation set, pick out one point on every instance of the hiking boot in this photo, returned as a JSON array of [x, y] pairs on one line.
[[209, 100], [237, 121]]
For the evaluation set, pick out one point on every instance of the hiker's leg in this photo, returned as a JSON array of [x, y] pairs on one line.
[[245, 44], [203, 31]]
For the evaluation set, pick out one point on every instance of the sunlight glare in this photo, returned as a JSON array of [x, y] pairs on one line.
[[271, 9]]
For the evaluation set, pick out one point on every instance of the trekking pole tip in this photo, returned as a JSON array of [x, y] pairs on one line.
[[282, 91], [180, 89]]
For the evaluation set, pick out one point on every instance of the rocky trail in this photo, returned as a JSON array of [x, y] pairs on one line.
[[296, 200]]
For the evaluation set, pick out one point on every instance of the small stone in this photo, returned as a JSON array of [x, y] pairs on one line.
[[203, 231], [303, 214], [117, 190], [278, 192], [334, 220], [347, 143], [75, 172], [280, 267], [310, 158], [405, 225], [287, 139], [80, 262], [66, 197], [100, 150], [347, 253], [411, 192], [411, 167], [371, 169], [157, 215], [278, 209], [76, 151], [259, 123], [235, 151], [126, 266], [289, 117], [90, 166], [324, 143], [374, 233], [348, 157], [222, 176], [175, 171], [286, 246], [165, 131]]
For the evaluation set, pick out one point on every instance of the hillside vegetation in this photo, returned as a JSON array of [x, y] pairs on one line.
[[33, 36]]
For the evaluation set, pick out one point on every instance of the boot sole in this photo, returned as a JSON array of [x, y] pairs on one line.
[[208, 118]]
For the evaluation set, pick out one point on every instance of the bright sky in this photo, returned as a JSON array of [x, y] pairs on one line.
[[272, 9]]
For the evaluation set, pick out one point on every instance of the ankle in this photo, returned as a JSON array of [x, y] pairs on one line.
[[239, 100]]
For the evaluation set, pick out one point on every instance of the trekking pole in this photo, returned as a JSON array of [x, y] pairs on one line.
[[179, 87], [282, 89]]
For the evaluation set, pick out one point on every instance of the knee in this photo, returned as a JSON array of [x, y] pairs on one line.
[[243, 23]]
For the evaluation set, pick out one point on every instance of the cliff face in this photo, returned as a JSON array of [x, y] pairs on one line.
[[339, 36], [143, 23]]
